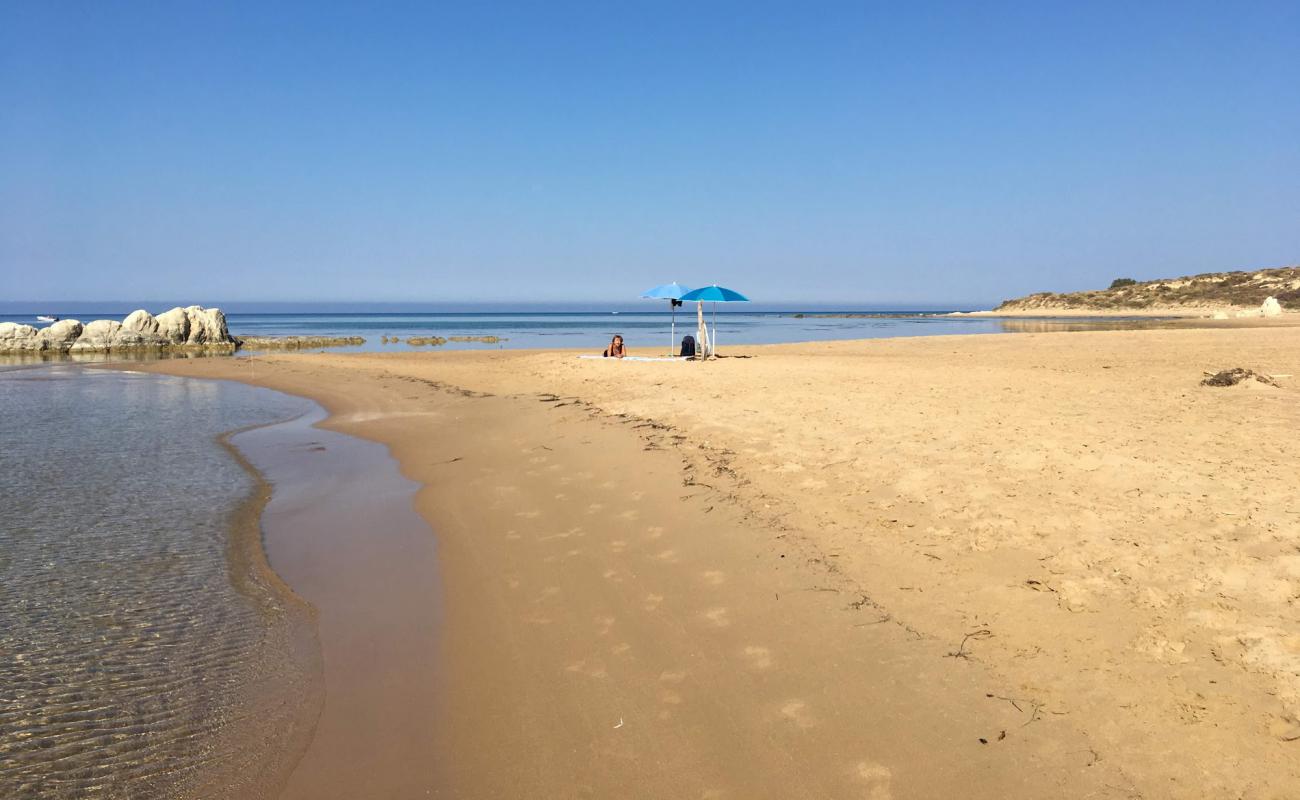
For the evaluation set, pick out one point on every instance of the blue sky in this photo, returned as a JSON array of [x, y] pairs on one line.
[[847, 153]]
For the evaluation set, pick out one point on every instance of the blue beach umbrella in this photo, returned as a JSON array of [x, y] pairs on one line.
[[672, 292], [714, 294]]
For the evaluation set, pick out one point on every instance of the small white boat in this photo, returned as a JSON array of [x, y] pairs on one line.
[[44, 318]]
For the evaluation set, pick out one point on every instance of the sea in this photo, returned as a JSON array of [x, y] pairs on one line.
[[642, 329]]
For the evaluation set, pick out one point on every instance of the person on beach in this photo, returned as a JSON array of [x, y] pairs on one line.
[[616, 348]]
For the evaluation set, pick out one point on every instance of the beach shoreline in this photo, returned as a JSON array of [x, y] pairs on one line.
[[736, 456]]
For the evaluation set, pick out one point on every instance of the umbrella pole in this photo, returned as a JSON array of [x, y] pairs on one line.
[[672, 336], [715, 330]]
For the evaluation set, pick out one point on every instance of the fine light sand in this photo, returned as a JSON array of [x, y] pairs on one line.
[[1034, 565]]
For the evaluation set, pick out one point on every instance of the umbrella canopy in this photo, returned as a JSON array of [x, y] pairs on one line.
[[715, 294], [712, 294], [669, 291]]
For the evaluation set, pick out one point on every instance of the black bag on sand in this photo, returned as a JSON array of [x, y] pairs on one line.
[[688, 346]]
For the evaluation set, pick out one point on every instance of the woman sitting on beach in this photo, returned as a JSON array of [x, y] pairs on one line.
[[616, 348]]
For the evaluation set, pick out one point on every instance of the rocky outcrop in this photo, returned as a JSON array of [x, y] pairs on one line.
[[1233, 292], [297, 342], [174, 325], [17, 338], [192, 328], [57, 338]]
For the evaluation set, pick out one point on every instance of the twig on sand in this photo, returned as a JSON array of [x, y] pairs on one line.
[[1015, 703], [982, 633]]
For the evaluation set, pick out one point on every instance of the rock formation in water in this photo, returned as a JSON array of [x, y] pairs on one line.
[[297, 342], [192, 328]]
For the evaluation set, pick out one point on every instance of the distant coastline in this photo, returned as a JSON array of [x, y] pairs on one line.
[[1264, 292]]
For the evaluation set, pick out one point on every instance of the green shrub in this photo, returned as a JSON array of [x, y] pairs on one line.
[[1120, 283]]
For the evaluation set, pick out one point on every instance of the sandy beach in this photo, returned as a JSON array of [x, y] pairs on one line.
[[1034, 565]]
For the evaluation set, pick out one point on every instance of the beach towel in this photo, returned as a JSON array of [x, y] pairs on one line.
[[634, 358]]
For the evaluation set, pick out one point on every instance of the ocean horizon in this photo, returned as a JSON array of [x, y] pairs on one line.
[[646, 327]]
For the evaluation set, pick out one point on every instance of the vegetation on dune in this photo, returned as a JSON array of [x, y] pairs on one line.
[[1210, 290]]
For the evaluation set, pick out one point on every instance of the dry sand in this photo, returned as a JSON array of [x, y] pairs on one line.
[[1034, 565]]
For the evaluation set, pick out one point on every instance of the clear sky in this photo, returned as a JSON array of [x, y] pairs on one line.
[[849, 153]]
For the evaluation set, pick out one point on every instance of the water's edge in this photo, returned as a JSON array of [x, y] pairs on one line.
[[252, 575]]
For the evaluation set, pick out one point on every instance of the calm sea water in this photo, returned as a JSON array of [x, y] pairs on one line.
[[145, 652], [593, 330]]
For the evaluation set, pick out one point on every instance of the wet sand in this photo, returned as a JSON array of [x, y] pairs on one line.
[[1048, 565], [341, 530]]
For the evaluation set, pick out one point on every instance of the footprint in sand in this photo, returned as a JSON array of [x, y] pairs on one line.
[[714, 577], [617, 546], [620, 648], [669, 676], [612, 576], [876, 777], [653, 601], [513, 536], [546, 594], [595, 508], [561, 496], [604, 625], [666, 556], [590, 670], [796, 711], [719, 617], [629, 515], [528, 514], [637, 495], [670, 698], [654, 532], [758, 657]]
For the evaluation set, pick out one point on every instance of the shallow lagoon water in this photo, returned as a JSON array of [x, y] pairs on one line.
[[144, 652]]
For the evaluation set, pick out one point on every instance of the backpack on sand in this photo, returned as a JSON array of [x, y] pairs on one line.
[[688, 346]]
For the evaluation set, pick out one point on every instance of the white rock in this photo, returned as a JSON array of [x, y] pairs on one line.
[[18, 338], [96, 337], [1271, 308], [193, 326], [61, 335], [207, 326], [174, 325], [142, 321]]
